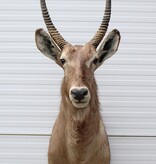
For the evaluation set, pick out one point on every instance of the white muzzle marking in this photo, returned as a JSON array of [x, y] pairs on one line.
[[79, 96]]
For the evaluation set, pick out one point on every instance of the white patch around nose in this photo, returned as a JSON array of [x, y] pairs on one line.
[[84, 102]]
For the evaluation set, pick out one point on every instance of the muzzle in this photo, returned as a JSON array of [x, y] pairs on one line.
[[79, 96]]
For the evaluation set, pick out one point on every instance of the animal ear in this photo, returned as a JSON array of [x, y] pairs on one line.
[[46, 45], [108, 47]]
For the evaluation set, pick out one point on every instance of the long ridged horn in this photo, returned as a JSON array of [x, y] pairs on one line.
[[95, 41], [59, 40]]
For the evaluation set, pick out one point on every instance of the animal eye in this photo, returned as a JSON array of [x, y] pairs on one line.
[[95, 60], [63, 61]]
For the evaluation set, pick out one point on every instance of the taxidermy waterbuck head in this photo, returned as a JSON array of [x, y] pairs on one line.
[[78, 61], [79, 136]]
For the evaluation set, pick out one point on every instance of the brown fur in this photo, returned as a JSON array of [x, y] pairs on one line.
[[79, 136]]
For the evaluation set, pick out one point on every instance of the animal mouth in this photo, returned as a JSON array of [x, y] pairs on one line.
[[80, 104]]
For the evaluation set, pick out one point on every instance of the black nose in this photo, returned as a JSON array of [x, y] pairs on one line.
[[79, 94]]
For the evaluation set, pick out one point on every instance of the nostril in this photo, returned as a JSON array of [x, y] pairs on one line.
[[84, 92], [79, 94], [74, 92]]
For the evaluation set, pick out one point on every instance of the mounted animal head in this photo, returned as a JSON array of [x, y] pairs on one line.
[[78, 62]]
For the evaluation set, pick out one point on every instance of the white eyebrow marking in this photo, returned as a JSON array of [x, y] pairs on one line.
[[88, 63]]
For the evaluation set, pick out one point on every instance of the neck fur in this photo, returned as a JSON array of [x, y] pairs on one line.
[[81, 125]]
